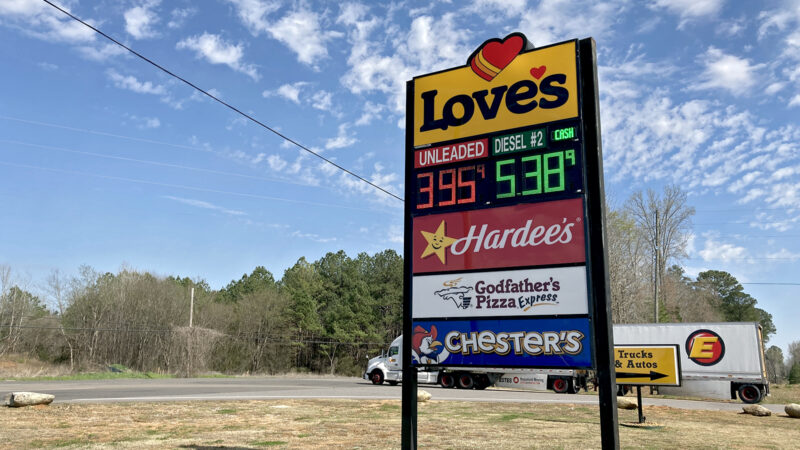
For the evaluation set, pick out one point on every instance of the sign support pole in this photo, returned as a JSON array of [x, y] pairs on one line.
[[598, 261], [408, 431], [639, 400]]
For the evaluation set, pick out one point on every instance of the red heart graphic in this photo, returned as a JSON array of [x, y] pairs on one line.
[[494, 55], [499, 54], [537, 72]]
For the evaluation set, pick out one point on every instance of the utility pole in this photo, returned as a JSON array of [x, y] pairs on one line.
[[655, 274], [191, 308]]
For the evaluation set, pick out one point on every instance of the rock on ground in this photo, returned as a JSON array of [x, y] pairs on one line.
[[16, 399], [792, 410], [626, 403], [757, 410], [423, 396]]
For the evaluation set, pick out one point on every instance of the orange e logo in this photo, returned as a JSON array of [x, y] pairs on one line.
[[705, 347]]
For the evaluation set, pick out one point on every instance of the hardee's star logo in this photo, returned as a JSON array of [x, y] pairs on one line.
[[437, 243]]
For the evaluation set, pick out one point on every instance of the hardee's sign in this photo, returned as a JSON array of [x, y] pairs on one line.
[[502, 86], [528, 234]]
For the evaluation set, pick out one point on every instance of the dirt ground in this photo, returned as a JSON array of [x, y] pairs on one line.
[[375, 424]]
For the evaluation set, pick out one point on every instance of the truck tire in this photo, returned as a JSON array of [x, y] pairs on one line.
[[464, 380], [376, 376], [560, 385], [481, 381], [750, 393], [447, 380]]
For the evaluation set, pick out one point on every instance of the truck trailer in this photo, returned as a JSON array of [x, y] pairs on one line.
[[718, 360], [388, 367]]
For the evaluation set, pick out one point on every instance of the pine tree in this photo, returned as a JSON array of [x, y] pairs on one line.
[[794, 374]]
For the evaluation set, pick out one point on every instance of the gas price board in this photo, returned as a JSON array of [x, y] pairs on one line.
[[504, 257], [537, 164], [495, 210]]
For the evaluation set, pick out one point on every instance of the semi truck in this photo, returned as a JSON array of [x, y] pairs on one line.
[[388, 367], [718, 360]]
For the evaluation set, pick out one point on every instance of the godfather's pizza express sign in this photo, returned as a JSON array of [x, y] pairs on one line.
[[497, 210]]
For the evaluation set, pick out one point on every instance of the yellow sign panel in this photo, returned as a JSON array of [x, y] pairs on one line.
[[497, 91], [649, 366]]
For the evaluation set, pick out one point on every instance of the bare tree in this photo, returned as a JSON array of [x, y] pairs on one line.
[[665, 221], [628, 267], [57, 291]]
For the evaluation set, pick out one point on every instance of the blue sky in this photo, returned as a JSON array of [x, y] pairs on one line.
[[105, 161]]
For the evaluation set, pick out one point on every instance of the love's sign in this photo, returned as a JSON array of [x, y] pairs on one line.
[[503, 87]]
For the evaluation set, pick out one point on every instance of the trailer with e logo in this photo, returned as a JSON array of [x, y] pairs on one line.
[[718, 360]]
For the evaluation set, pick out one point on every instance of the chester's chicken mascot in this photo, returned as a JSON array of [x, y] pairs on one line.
[[426, 349]]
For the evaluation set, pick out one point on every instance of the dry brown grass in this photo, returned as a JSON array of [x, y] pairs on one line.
[[20, 366], [375, 424]]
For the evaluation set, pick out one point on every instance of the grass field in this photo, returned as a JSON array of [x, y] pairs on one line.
[[375, 424]]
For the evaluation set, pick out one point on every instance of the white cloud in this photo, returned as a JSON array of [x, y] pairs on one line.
[[276, 163], [131, 83], [721, 251], [253, 13], [343, 139], [290, 92], [557, 20], [729, 72], [312, 237], [101, 52], [205, 205], [784, 254], [42, 21], [493, 11], [139, 20], [179, 17], [216, 50], [322, 100], [301, 31], [690, 9]]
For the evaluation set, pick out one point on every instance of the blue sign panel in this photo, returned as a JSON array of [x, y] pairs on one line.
[[503, 342]]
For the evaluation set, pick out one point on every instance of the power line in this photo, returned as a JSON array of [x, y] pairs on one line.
[[229, 106], [153, 163], [180, 186]]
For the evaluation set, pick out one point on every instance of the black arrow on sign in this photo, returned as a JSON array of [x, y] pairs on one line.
[[653, 375]]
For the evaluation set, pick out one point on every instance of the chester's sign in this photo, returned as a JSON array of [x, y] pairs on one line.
[[527, 234], [504, 87]]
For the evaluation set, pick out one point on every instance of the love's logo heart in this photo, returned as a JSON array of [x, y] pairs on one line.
[[537, 72], [494, 55]]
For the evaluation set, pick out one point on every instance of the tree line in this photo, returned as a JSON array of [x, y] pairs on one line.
[[326, 316]]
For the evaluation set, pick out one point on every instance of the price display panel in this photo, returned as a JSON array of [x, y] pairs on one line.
[[539, 164]]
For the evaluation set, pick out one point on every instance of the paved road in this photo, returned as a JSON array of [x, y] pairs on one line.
[[264, 388]]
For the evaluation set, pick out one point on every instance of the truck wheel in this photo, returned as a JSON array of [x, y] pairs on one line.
[[750, 393], [465, 381], [481, 381], [447, 380], [560, 385], [376, 376]]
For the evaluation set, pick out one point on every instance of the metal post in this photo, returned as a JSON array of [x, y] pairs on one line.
[[642, 418], [408, 429], [597, 263]]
